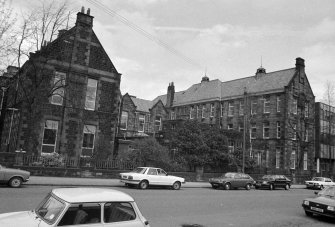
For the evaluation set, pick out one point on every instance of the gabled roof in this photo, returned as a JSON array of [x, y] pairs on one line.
[[217, 90], [142, 104]]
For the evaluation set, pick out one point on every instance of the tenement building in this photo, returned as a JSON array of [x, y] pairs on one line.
[[139, 118], [275, 111], [325, 139], [65, 98]]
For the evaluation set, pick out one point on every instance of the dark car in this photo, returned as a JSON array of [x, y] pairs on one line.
[[232, 180], [273, 181], [13, 177], [323, 204]]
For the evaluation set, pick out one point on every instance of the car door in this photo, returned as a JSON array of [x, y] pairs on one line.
[[152, 176], [120, 214], [238, 181], [163, 178], [280, 181]]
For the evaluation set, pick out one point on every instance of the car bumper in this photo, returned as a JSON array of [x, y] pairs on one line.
[[318, 211], [313, 186], [127, 181], [262, 185]]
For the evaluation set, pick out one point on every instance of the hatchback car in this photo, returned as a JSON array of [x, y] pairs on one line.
[[145, 176], [80, 206], [273, 181], [232, 180], [323, 204], [319, 183], [13, 177]]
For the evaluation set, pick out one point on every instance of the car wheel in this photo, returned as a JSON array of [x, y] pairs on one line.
[[143, 184], [271, 187], [309, 214], [227, 186], [176, 185], [15, 182], [287, 187], [248, 187]]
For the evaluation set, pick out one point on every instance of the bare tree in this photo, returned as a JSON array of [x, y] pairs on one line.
[[329, 93], [7, 37]]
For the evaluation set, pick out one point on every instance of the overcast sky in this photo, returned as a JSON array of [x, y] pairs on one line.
[[155, 42]]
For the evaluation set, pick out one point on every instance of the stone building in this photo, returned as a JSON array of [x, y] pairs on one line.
[[274, 111], [65, 98], [139, 118], [325, 139]]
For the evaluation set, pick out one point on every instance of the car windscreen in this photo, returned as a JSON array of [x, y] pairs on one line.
[[138, 170], [268, 177], [49, 209]]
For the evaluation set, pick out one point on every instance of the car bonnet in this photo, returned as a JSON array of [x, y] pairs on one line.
[[323, 200], [19, 219]]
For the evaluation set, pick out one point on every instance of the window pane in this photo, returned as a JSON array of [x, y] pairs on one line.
[[91, 94], [118, 212]]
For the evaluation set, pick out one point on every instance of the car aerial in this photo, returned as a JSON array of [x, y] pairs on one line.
[[80, 206], [232, 180], [273, 181], [323, 204], [145, 176], [319, 183], [13, 177]]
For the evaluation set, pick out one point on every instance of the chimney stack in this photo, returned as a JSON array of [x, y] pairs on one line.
[[170, 95], [84, 20], [300, 64]]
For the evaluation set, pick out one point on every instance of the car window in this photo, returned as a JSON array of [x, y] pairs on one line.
[[328, 180], [83, 213], [229, 175], [318, 179], [238, 176], [138, 170], [152, 171], [161, 172], [118, 212]]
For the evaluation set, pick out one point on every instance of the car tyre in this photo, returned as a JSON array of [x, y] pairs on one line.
[[176, 185], [227, 186], [271, 187], [248, 187], [15, 182], [143, 184], [309, 214], [287, 187]]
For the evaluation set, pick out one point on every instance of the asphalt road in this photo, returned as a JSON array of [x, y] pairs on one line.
[[203, 206]]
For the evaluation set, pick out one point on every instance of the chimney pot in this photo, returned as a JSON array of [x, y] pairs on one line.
[[88, 11], [83, 9]]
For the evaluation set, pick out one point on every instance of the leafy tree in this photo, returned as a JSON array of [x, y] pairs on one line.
[[146, 152]]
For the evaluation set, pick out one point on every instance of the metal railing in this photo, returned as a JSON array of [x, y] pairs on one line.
[[61, 162]]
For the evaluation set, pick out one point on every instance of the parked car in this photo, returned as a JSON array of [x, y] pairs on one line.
[[232, 180], [145, 176], [13, 177], [319, 183], [80, 206], [273, 181], [323, 204]]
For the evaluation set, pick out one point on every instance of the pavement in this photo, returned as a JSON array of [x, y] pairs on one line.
[[103, 182]]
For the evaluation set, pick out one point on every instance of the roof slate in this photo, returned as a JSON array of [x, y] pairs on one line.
[[215, 89], [142, 104]]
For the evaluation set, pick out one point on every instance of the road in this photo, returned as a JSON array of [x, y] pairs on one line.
[[203, 206]]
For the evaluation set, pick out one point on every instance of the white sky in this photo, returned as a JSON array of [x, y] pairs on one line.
[[225, 38]]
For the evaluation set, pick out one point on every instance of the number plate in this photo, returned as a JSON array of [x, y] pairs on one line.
[[317, 209]]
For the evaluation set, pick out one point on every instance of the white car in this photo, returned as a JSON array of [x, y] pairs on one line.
[[319, 183], [145, 176], [99, 207]]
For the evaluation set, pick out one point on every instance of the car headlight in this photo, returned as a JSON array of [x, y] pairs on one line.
[[306, 202], [316, 184], [264, 182], [130, 177], [330, 208]]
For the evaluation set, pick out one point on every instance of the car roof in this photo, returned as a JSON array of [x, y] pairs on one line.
[[87, 195]]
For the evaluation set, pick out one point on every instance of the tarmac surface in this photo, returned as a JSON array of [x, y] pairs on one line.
[[103, 182]]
